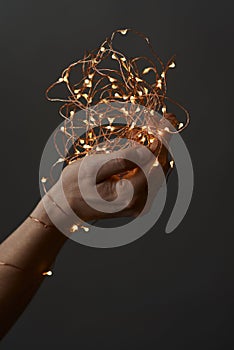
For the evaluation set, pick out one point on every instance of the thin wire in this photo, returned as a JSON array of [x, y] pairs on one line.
[[94, 92]]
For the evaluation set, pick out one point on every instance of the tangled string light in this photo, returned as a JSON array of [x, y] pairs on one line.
[[113, 87]]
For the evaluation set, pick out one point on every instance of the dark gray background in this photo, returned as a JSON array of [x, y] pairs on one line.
[[161, 291]]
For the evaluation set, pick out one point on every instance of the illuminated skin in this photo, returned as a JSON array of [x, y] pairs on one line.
[[27, 254]]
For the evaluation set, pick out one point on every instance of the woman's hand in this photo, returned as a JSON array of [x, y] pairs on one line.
[[30, 250], [110, 183]]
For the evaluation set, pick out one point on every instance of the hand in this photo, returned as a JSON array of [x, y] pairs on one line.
[[109, 184]]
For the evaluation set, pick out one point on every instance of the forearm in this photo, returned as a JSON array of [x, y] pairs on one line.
[[32, 248]]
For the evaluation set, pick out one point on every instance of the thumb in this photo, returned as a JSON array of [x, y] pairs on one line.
[[122, 161]]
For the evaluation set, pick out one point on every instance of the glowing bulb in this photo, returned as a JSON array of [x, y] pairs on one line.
[[138, 79], [98, 148], [111, 120], [156, 163], [47, 273], [159, 84], [112, 128], [146, 70], [112, 79], [43, 179], [180, 125], [66, 78], [172, 65], [125, 112], [102, 49], [74, 228], [172, 163], [164, 109], [86, 229], [123, 31], [138, 109], [132, 125], [88, 82], [85, 96]]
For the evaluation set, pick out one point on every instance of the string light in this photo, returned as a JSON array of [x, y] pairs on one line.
[[74, 228], [156, 163], [98, 86], [46, 273], [172, 65], [123, 31], [101, 84]]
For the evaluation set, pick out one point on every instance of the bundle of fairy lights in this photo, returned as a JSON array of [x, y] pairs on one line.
[[109, 86], [104, 87]]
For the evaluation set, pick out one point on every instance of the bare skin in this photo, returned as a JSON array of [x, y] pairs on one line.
[[32, 248]]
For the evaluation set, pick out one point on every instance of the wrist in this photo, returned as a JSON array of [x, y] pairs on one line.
[[41, 214]]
